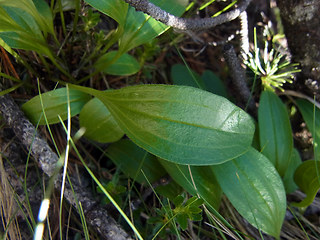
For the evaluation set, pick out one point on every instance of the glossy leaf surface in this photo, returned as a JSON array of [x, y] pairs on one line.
[[55, 103], [255, 189], [181, 124], [276, 140], [99, 123], [121, 65], [203, 178], [132, 160], [307, 177], [311, 115]]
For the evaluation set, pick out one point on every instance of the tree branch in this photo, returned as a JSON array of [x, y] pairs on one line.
[[186, 23], [96, 216], [238, 76]]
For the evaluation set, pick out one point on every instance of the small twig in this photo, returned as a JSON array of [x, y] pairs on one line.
[[300, 95], [239, 77], [187, 23], [244, 33], [96, 216]]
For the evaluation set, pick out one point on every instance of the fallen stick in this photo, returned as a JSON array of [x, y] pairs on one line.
[[96, 216]]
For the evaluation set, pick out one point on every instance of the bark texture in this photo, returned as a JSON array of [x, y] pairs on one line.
[[301, 20]]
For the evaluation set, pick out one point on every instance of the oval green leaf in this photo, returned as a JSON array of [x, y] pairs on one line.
[[311, 114], [99, 123], [275, 131], [205, 184], [255, 189], [307, 177], [181, 124], [183, 75], [214, 84], [115, 64], [133, 160], [55, 103]]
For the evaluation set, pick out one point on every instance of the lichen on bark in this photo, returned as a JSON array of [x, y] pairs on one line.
[[301, 21]]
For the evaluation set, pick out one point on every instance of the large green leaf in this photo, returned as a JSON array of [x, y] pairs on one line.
[[7, 23], [55, 103], [38, 9], [255, 189], [307, 177], [24, 20], [133, 160], [99, 123], [196, 180], [116, 64], [116, 9], [25, 41], [24, 29], [311, 114], [181, 124], [275, 131], [288, 179]]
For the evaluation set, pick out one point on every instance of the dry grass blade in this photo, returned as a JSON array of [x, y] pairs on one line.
[[8, 206]]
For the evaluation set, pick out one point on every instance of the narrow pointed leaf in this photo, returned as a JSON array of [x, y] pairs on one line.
[[99, 123], [275, 132], [25, 41], [23, 19], [255, 189], [205, 183], [38, 9], [307, 177], [288, 179], [55, 103], [133, 160], [20, 29], [181, 124], [311, 115]]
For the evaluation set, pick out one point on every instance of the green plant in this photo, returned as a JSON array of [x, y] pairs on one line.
[[271, 67], [185, 125], [183, 211], [202, 140]]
